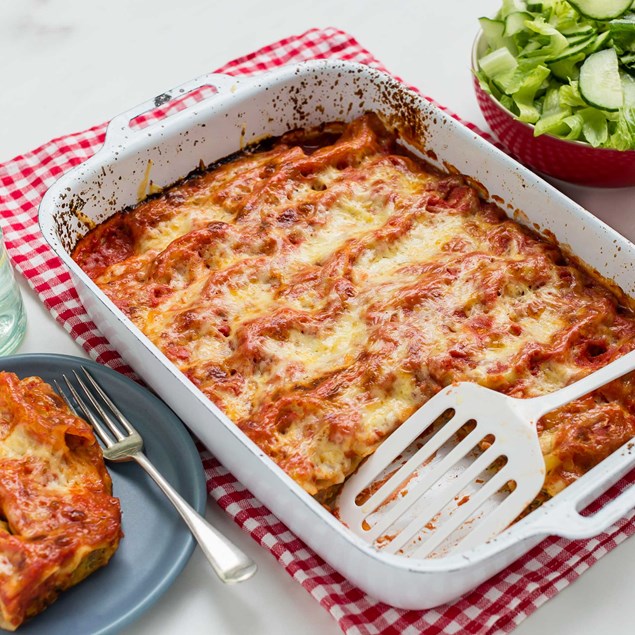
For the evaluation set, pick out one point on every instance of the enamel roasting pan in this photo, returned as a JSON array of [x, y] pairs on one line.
[[240, 111]]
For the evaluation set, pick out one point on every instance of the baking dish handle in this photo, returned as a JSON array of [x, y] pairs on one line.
[[120, 130], [566, 521]]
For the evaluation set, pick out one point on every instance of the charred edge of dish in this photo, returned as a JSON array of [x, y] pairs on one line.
[[70, 212], [409, 120], [62, 221]]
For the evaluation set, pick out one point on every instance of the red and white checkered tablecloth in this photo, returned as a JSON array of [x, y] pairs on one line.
[[497, 606]]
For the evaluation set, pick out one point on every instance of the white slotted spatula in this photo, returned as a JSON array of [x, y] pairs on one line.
[[405, 503]]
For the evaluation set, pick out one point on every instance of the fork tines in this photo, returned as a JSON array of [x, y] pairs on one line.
[[102, 413]]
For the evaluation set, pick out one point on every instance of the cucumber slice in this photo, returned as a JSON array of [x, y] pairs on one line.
[[600, 42], [578, 29], [576, 39], [512, 6], [493, 32], [601, 9], [600, 83], [572, 51], [515, 22]]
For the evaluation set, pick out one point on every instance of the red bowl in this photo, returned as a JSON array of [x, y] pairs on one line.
[[572, 161]]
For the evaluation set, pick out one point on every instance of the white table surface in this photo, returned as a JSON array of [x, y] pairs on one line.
[[67, 65]]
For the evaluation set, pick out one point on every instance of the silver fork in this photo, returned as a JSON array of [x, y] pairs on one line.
[[228, 561]]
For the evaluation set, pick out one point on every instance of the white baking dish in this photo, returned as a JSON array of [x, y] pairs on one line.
[[243, 110]]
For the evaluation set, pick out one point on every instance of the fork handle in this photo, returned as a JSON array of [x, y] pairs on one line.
[[228, 561]]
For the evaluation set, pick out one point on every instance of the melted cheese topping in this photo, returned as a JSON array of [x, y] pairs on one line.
[[58, 520], [321, 291]]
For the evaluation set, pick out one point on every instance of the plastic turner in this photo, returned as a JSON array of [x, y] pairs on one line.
[[406, 503]]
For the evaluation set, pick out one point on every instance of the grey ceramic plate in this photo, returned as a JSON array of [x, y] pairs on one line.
[[157, 544]]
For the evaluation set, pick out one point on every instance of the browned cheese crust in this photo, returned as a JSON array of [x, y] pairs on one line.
[[320, 291]]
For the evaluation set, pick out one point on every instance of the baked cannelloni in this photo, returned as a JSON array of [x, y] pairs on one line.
[[321, 287]]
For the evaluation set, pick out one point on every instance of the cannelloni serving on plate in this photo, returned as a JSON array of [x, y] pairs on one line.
[[58, 519], [321, 286]]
